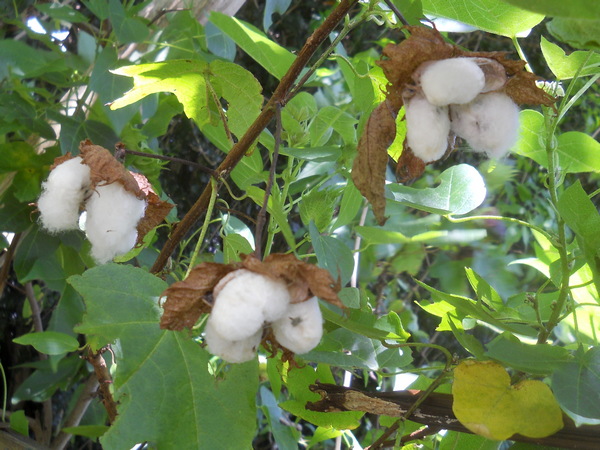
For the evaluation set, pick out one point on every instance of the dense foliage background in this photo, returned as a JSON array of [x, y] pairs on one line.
[[491, 260]]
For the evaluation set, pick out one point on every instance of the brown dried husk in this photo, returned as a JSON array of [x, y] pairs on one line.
[[400, 63], [187, 299], [156, 209]]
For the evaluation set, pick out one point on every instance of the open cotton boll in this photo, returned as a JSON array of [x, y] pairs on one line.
[[62, 194], [449, 81], [301, 328], [244, 300], [489, 124], [231, 351], [112, 216], [427, 128]]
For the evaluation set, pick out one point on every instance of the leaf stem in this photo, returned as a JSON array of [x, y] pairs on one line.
[[209, 210], [238, 151]]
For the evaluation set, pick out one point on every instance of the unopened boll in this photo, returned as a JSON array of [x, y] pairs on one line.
[[63, 193], [231, 351], [244, 301], [451, 81], [112, 217], [489, 124], [427, 128], [301, 328]]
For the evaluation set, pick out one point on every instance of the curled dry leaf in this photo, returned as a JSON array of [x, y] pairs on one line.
[[402, 66], [188, 299], [156, 211]]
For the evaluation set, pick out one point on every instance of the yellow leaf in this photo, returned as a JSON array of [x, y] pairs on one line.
[[487, 404]]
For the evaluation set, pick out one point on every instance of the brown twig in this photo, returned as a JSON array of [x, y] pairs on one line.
[[85, 398], [241, 147], [104, 381], [262, 214]]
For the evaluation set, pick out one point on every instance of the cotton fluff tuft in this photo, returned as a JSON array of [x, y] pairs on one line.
[[427, 128], [301, 328], [63, 192], [231, 351], [244, 301], [489, 124], [452, 81], [112, 217]]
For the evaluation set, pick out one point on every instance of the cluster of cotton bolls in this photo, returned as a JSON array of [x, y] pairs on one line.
[[112, 213], [244, 302], [462, 96]]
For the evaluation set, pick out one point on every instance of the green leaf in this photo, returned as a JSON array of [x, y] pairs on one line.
[[128, 29], [49, 342], [19, 423], [578, 33], [541, 359], [19, 59], [274, 58], [577, 387], [318, 206], [330, 118], [61, 12], [487, 15], [368, 325], [574, 8], [162, 373], [577, 152], [565, 67], [350, 204], [483, 290], [286, 437], [318, 154], [272, 7], [461, 190], [90, 431], [332, 254], [275, 208], [581, 215]]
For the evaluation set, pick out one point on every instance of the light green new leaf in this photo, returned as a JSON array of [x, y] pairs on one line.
[[565, 67], [577, 152], [274, 58], [488, 15], [49, 342], [166, 395], [461, 190], [573, 8], [577, 387]]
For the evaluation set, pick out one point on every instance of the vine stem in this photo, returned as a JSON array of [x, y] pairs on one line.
[[238, 151]]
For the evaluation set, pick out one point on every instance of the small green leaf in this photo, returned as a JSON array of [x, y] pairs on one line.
[[565, 67], [49, 342], [330, 118], [318, 154], [577, 387], [332, 254], [274, 58], [461, 190], [487, 15], [541, 359], [19, 423], [90, 431]]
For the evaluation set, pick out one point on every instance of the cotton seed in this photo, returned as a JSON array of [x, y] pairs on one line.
[[451, 81], [244, 301], [63, 193], [427, 128], [231, 351], [112, 216], [301, 328], [489, 124]]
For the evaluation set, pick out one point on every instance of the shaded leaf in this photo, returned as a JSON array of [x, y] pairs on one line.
[[49, 342], [578, 33], [486, 403]]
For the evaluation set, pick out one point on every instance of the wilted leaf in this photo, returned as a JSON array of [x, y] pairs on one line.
[[189, 298], [156, 209], [487, 404], [368, 170]]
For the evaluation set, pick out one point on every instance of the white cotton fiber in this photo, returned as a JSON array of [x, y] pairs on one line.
[[62, 194], [427, 128], [489, 124], [231, 351], [112, 216], [301, 328], [449, 81], [245, 302]]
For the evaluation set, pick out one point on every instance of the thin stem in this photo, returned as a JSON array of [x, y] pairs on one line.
[[239, 149], [5, 395], [521, 53], [209, 210], [502, 219], [262, 214]]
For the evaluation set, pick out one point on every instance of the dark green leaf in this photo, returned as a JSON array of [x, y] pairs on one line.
[[128, 29], [332, 254], [578, 33], [61, 12], [574, 8], [49, 342], [318, 154]]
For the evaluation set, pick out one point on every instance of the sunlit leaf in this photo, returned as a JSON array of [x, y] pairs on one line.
[[574, 8], [566, 66], [487, 404]]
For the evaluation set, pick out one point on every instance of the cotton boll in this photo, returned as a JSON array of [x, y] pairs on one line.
[[454, 80], [231, 351], [63, 192], [427, 128], [244, 300], [489, 124], [301, 328], [112, 217]]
